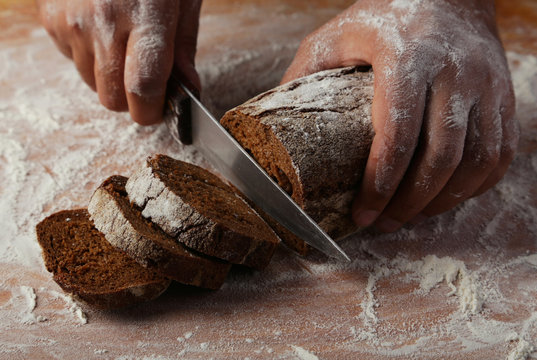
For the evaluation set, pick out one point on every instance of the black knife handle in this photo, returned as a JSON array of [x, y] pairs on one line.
[[177, 109]]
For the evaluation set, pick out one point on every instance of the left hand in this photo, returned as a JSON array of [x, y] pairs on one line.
[[443, 106]]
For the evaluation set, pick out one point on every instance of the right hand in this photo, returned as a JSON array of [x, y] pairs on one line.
[[125, 50]]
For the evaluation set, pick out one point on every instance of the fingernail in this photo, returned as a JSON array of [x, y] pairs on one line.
[[366, 218], [418, 219], [388, 225]]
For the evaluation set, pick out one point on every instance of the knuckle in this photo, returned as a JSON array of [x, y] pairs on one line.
[[384, 184], [446, 156], [148, 72], [74, 26], [396, 142], [145, 85], [485, 157], [308, 41], [104, 12]]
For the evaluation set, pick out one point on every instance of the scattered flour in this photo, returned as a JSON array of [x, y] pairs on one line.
[[27, 316], [303, 354], [40, 116], [434, 270], [78, 151], [522, 351], [72, 307]]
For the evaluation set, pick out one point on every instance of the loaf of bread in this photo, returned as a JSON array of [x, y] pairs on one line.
[[125, 228], [201, 211], [312, 136], [84, 264], [173, 220]]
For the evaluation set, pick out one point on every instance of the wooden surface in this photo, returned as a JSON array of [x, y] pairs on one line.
[[57, 144]]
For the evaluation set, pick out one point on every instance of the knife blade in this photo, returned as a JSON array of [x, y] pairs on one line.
[[212, 140]]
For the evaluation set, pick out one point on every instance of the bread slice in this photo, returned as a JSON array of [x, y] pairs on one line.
[[312, 136], [125, 228], [201, 211], [287, 237], [84, 264]]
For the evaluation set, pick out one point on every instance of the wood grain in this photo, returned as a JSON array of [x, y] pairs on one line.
[[314, 304]]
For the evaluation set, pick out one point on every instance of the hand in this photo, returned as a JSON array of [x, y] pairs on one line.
[[443, 107], [125, 50]]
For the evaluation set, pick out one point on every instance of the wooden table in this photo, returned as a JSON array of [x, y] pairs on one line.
[[57, 144]]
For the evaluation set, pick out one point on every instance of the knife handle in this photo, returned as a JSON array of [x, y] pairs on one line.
[[177, 109]]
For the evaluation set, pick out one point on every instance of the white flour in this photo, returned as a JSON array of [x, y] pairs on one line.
[[27, 316], [303, 354], [72, 308], [479, 294], [33, 186]]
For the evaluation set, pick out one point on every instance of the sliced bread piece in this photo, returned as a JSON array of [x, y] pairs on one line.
[[287, 237], [313, 136], [201, 211], [84, 264], [125, 228]]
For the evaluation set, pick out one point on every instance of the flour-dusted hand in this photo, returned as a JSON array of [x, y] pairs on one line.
[[443, 107], [125, 50]]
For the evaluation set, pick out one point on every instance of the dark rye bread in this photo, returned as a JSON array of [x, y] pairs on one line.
[[288, 238], [313, 136], [84, 264], [201, 211], [125, 228]]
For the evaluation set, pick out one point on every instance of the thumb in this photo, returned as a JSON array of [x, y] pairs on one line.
[[186, 40], [316, 52], [331, 46]]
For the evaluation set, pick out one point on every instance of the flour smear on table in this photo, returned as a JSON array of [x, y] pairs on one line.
[[51, 159]]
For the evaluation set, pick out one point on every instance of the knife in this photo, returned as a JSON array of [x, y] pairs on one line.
[[212, 140]]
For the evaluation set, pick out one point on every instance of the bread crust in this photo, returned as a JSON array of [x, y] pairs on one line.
[[125, 228], [165, 204], [50, 234], [313, 136]]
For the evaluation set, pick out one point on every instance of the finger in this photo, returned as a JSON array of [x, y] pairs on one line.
[[81, 47], [148, 66], [109, 70], [397, 114], [510, 138], [438, 154], [84, 60], [186, 40], [325, 49], [64, 48], [309, 60], [110, 39], [50, 20], [480, 158]]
